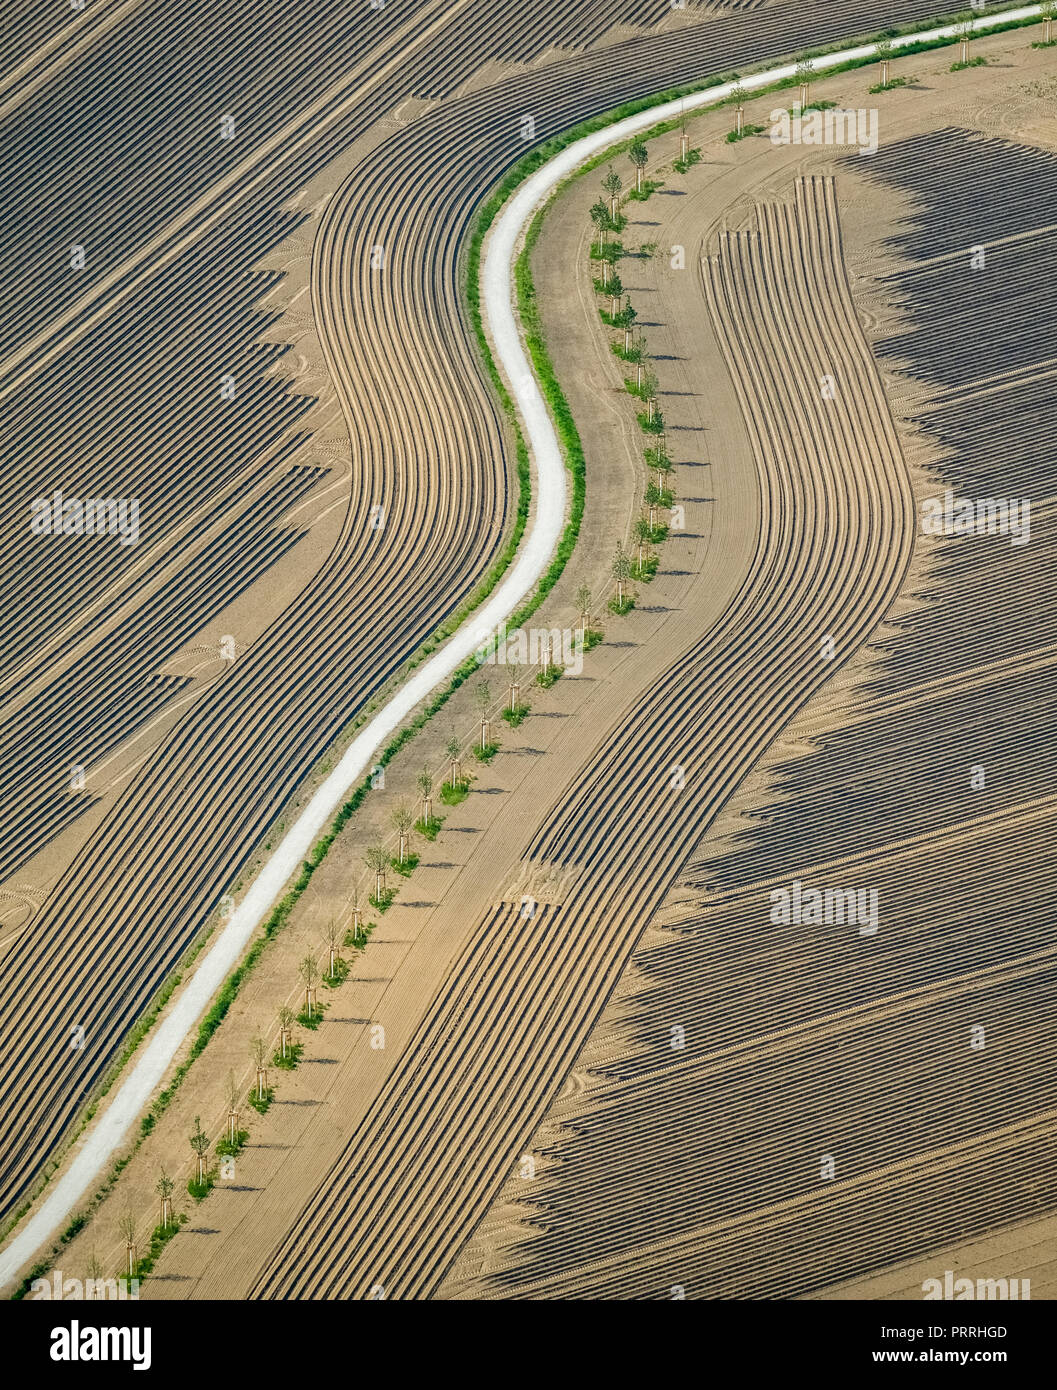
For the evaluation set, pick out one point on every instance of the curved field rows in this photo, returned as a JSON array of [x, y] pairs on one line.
[[78, 719], [425, 445], [919, 1062], [513, 1015], [376, 597]]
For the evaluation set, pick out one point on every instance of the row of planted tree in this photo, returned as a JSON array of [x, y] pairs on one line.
[[607, 251], [213, 1158], [634, 564]]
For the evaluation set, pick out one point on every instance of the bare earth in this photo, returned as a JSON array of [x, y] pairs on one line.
[[401, 1167]]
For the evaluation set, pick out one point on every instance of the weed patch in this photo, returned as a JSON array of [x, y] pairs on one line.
[[262, 1102], [201, 1190], [733, 136], [341, 968], [648, 189], [407, 868], [453, 795], [231, 1148]]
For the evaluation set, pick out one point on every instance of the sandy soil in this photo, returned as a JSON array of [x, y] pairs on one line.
[[476, 864], [524, 1247]]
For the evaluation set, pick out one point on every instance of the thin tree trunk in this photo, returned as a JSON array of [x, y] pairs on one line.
[[131, 1252], [884, 72], [739, 119], [684, 145], [638, 178], [605, 273], [403, 860], [650, 406], [484, 734], [638, 376]]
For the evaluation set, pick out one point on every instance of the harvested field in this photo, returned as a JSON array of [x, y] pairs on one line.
[[170, 298]]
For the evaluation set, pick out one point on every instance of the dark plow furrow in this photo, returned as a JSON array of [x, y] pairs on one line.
[[168, 301], [702, 1168], [401, 1201]]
